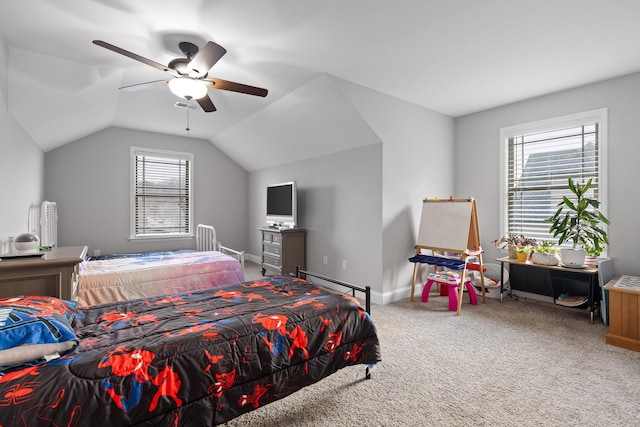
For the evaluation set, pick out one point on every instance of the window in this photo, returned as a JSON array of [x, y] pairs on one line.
[[538, 158], [161, 193]]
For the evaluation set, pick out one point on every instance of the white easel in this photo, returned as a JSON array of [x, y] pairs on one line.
[[451, 226]]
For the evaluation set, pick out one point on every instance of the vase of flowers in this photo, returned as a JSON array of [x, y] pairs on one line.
[[512, 241]]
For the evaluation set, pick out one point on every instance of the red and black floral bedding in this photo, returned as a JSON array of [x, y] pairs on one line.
[[191, 359]]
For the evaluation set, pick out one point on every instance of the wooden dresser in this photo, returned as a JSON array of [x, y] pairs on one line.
[[282, 250], [54, 274]]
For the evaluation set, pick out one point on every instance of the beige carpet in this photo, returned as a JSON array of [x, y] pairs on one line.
[[516, 363]]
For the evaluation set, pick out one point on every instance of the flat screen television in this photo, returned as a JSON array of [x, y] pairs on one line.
[[282, 205]]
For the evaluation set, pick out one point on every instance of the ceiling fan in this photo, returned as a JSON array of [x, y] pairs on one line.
[[190, 73]]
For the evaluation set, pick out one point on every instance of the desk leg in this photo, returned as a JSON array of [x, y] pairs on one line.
[[593, 281], [501, 279]]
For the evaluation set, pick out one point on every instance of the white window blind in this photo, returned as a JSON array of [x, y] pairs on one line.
[[538, 166], [161, 193]]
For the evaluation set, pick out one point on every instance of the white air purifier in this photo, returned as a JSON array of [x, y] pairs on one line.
[[48, 224]]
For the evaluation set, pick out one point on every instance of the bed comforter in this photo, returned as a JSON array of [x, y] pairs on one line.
[[192, 359], [127, 277]]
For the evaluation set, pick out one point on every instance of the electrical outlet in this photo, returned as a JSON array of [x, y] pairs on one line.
[[325, 260], [96, 252], [344, 264]]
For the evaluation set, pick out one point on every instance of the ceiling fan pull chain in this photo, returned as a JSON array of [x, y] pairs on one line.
[[188, 129]]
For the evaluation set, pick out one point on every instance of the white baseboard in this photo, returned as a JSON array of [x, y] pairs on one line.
[[383, 298], [253, 258]]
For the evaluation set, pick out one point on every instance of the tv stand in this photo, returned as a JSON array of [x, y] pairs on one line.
[[282, 250], [280, 226]]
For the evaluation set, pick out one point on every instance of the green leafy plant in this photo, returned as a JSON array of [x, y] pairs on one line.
[[525, 249], [591, 251], [579, 221], [546, 247]]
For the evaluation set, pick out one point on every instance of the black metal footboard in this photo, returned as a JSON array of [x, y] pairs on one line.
[[303, 274]]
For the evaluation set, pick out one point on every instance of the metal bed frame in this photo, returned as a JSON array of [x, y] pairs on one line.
[[304, 274]]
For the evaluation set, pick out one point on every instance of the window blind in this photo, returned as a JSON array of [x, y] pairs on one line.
[[538, 168], [162, 195]]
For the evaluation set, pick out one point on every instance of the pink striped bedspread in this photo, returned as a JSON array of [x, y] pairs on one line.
[[120, 279]]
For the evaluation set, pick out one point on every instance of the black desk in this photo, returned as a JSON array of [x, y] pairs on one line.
[[539, 279]]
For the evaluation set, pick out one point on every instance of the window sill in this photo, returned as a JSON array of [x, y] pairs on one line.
[[162, 237]]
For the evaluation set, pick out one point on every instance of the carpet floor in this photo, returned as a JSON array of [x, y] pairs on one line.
[[515, 363]]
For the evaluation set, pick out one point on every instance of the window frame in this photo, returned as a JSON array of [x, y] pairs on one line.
[[599, 116], [174, 155]]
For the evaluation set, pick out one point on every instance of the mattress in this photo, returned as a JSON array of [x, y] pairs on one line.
[[153, 274]]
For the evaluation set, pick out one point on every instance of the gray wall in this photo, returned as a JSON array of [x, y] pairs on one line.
[[89, 179], [340, 206], [21, 167], [417, 162], [414, 159], [477, 147]]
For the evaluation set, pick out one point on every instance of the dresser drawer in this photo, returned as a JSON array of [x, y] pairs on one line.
[[275, 238], [271, 249], [271, 260]]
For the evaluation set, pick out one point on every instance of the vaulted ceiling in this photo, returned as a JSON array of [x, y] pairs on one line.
[[455, 57]]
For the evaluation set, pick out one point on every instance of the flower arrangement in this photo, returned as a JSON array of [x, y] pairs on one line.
[[513, 239]]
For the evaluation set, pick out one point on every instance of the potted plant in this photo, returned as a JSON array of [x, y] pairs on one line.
[[513, 241], [545, 253], [591, 255], [523, 252], [579, 222]]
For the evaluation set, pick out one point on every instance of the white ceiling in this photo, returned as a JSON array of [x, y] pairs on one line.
[[451, 56]]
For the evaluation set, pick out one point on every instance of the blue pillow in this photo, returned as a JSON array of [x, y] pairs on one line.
[[34, 329]]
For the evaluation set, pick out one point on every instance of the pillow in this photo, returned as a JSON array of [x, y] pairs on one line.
[[34, 329]]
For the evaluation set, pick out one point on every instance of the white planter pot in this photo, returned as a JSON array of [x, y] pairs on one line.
[[545, 259], [572, 257]]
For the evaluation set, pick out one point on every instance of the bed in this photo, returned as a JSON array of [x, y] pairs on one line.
[[197, 358], [129, 276], [121, 277]]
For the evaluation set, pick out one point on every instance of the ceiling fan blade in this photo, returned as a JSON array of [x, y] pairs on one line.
[[206, 57], [237, 87], [206, 104], [133, 56], [142, 86]]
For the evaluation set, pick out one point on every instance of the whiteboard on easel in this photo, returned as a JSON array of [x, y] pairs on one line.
[[448, 224]]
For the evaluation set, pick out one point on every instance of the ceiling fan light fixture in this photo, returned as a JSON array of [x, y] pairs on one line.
[[188, 88], [190, 74]]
